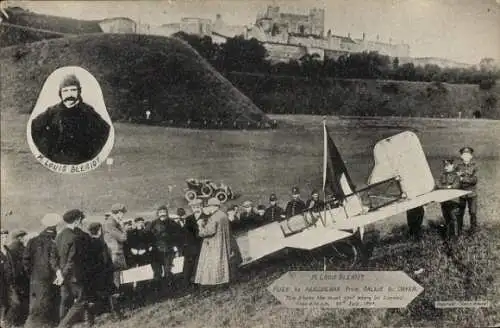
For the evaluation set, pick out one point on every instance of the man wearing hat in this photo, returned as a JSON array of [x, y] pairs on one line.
[[274, 212], [295, 205], [168, 236], [467, 169], [74, 267], [141, 243], [193, 242], [248, 217], [19, 309], [449, 179], [115, 237], [70, 132], [40, 263], [214, 263], [314, 203], [8, 296]]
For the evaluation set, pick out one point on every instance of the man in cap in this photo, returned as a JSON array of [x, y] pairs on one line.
[[169, 236], [70, 132], [449, 179], [295, 205], [115, 237], [314, 203], [274, 212], [74, 267], [467, 169], [193, 241], [248, 216], [19, 309], [215, 256], [40, 263]]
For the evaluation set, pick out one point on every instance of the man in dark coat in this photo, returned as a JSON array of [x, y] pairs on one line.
[[141, 243], [449, 179], [168, 236], [295, 205], [40, 262], [315, 204], [467, 170], [73, 275], [274, 212], [9, 301], [18, 311], [101, 286], [193, 245], [70, 132]]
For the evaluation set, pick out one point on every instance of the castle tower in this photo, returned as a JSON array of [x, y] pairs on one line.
[[273, 12], [317, 19]]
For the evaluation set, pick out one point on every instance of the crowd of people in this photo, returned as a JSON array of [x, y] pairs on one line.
[[66, 274], [72, 271]]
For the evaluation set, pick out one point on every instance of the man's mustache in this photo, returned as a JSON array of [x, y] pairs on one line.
[[71, 98]]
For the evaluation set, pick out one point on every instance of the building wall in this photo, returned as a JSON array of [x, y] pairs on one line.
[[118, 26], [284, 52], [166, 30], [393, 50], [198, 26]]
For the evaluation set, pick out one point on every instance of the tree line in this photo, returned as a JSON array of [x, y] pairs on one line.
[[241, 55]]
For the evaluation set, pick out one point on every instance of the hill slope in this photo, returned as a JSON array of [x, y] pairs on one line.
[[19, 16], [15, 34], [136, 73], [298, 95]]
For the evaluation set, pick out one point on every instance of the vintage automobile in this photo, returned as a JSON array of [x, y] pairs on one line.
[[207, 189]]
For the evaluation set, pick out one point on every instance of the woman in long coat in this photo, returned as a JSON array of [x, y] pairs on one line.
[[214, 261]]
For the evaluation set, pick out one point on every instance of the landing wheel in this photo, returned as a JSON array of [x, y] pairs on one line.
[[221, 196], [206, 190], [341, 255], [190, 195]]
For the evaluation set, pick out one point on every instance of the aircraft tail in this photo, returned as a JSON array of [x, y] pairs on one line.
[[337, 179]]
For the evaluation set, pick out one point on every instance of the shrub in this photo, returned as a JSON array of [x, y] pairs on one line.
[[487, 84]]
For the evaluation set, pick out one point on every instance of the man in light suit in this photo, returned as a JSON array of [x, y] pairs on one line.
[[115, 237]]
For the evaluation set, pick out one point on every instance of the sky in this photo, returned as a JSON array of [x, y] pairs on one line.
[[461, 30]]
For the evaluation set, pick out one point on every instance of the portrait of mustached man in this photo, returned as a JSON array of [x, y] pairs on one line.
[[70, 132]]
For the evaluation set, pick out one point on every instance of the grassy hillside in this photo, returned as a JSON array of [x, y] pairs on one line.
[[19, 16], [136, 73], [282, 94], [15, 34]]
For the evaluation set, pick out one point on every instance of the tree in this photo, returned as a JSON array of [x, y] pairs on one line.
[[395, 64], [203, 45], [239, 54], [487, 64]]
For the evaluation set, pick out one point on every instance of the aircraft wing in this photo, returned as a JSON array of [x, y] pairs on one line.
[[315, 237], [402, 206]]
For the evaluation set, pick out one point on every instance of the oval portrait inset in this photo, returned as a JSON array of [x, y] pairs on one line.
[[69, 130]]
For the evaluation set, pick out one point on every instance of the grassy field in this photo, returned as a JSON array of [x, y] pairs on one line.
[[255, 163]]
